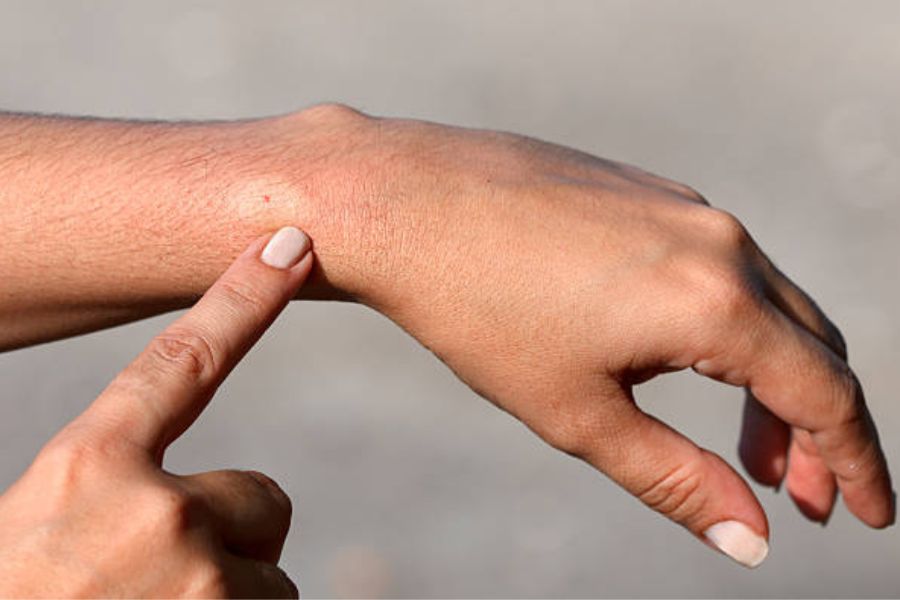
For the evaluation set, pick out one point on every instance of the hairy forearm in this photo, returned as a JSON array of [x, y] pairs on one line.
[[110, 221]]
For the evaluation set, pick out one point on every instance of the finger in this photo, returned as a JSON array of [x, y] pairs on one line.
[[802, 382], [797, 304], [764, 443], [671, 475], [164, 390], [250, 512], [248, 578], [809, 481]]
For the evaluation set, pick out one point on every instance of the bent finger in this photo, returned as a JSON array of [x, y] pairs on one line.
[[809, 481], [764, 443], [250, 512], [248, 578], [797, 304], [802, 382]]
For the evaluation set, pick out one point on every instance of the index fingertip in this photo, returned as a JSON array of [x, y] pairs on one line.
[[285, 248]]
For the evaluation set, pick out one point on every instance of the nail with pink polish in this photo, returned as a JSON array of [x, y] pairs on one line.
[[739, 542], [286, 248]]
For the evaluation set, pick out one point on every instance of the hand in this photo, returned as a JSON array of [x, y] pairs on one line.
[[96, 515], [553, 282]]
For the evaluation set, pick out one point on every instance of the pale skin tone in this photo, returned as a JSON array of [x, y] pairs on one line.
[[550, 281], [96, 515]]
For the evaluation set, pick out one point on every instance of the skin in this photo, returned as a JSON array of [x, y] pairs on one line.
[[97, 511], [602, 276], [552, 282]]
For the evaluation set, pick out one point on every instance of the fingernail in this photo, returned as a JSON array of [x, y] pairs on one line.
[[286, 248], [736, 540]]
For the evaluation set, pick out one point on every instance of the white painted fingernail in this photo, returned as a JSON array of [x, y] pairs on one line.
[[738, 541], [286, 248]]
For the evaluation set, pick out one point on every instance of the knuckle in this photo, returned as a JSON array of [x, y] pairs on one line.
[[268, 486], [173, 511], [73, 462], [730, 299], [68, 460], [64, 465], [848, 404], [188, 353], [253, 489], [865, 467], [210, 580], [676, 494], [690, 193], [722, 292], [836, 339], [725, 229]]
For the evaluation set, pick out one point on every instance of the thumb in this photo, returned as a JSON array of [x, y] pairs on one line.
[[164, 390], [691, 486]]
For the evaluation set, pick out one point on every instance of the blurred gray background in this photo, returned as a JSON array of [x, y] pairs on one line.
[[405, 483]]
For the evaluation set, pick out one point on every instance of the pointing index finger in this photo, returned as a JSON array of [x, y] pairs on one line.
[[157, 397]]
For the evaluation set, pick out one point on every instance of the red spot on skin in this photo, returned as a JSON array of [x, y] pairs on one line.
[[266, 198]]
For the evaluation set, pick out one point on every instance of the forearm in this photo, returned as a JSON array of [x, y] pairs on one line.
[[110, 221]]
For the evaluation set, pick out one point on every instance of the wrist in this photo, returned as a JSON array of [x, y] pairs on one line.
[[321, 172]]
